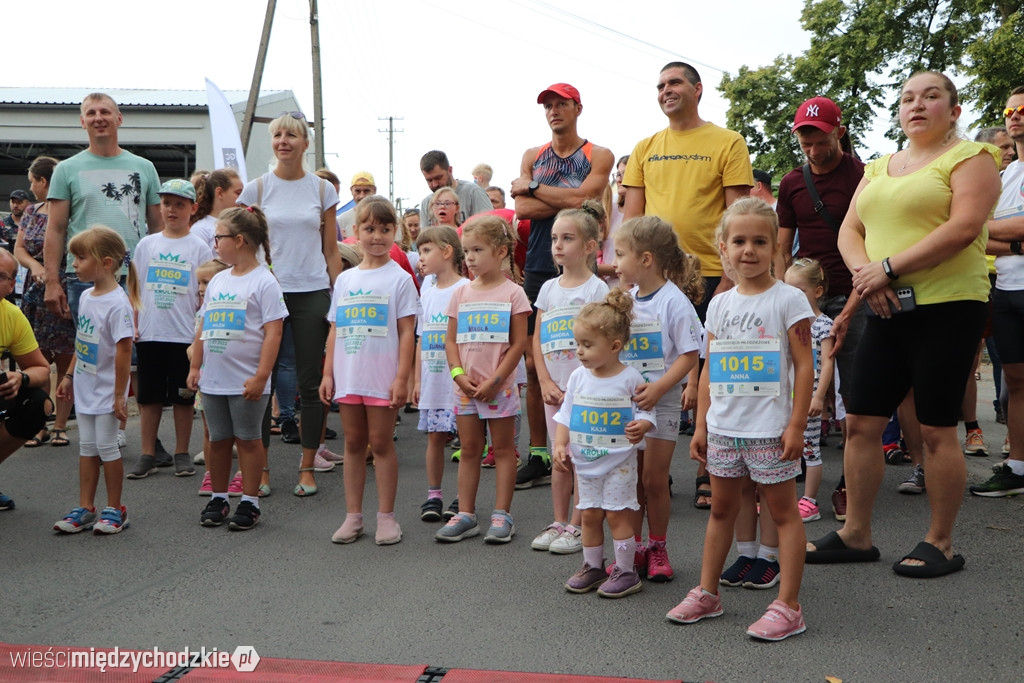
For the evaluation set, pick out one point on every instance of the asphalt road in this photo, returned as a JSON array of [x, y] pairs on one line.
[[285, 589]]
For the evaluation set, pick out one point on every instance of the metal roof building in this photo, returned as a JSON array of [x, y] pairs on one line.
[[171, 128]]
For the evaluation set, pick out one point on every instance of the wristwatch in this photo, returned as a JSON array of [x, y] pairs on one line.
[[1015, 248], [26, 381], [534, 185]]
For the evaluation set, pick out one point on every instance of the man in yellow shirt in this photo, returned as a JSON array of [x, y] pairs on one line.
[[688, 173]]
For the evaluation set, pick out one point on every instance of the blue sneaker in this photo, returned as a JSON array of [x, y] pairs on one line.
[[458, 527], [764, 574], [6, 503], [77, 520], [112, 521], [502, 530]]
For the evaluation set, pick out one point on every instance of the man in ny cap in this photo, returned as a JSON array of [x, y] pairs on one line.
[[20, 199], [833, 174], [557, 175], [363, 185]]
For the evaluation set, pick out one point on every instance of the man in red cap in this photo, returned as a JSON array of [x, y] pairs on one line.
[[813, 222], [557, 175]]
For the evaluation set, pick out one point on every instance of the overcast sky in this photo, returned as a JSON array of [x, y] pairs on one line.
[[463, 74]]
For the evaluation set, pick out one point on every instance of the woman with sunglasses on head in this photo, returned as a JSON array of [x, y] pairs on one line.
[[914, 240], [299, 207]]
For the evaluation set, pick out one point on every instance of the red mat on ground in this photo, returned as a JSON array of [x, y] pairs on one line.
[[473, 676]]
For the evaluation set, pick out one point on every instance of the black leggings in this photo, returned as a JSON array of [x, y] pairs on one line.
[[307, 316]]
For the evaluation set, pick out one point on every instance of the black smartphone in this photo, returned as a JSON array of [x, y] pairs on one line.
[[908, 302]]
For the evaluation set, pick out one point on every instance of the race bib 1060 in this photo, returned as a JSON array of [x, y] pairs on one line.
[[485, 321], [745, 367], [168, 276]]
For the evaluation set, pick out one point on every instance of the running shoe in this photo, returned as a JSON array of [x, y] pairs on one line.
[[695, 606], [79, 519], [779, 622]]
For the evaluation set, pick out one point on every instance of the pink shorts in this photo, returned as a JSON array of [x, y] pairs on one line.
[[357, 400]]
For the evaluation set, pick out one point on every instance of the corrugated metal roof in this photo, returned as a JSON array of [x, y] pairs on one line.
[[125, 97]]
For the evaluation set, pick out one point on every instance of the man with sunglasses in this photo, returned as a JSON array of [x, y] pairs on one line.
[[812, 206], [23, 402], [1005, 234]]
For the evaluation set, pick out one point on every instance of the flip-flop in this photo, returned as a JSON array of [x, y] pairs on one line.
[[60, 438], [832, 550], [935, 562], [37, 440]]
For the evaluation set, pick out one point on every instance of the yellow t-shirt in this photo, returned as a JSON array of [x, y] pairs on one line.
[[900, 212], [15, 331], [684, 175]]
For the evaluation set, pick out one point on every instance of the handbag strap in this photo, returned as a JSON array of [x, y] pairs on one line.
[[819, 206]]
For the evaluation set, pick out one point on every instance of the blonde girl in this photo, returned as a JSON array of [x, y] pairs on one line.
[[574, 242], [368, 365], [664, 342], [485, 341], [755, 391], [444, 205], [233, 355], [97, 380], [809, 277], [441, 259], [600, 426]]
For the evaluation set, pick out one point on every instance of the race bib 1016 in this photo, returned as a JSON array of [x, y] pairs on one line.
[[362, 314]]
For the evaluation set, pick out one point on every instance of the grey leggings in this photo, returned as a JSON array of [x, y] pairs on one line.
[[307, 316]]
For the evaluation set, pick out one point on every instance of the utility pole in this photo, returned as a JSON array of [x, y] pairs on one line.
[[257, 76], [391, 150], [318, 96]]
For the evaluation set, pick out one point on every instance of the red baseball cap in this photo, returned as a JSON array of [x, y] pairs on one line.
[[562, 90], [820, 112]]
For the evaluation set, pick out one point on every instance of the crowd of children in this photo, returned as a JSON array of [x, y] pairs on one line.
[[612, 367]]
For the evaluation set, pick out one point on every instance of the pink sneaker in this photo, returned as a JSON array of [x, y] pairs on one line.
[[778, 623], [695, 606], [320, 464], [639, 561], [350, 530], [388, 531], [488, 461], [658, 568], [235, 487], [330, 456], [206, 488], [809, 511]]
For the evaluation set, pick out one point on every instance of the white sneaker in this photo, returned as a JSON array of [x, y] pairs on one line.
[[547, 537], [199, 459], [320, 464], [122, 438], [569, 542]]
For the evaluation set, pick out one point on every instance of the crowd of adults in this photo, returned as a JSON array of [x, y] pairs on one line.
[[903, 241]]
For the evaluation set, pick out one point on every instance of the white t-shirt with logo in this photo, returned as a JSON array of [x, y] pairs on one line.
[[204, 229], [102, 322], [557, 308], [365, 310], [294, 210], [169, 287], [1010, 269], [235, 309], [763, 321], [437, 390], [596, 411], [665, 326]]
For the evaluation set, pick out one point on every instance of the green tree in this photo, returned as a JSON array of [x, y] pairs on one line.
[[860, 52]]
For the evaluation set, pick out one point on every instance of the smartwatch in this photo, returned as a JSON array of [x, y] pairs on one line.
[[1015, 248], [888, 269], [534, 185]]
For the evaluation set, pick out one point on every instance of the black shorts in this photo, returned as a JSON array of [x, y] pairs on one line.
[[163, 371], [532, 282], [25, 414], [832, 307], [1008, 324], [930, 350]]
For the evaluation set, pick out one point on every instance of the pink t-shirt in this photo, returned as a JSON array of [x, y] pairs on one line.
[[484, 324]]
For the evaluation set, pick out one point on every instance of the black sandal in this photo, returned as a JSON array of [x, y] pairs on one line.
[[39, 439], [60, 438], [703, 491]]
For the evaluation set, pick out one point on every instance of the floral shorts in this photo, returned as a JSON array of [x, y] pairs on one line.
[[505, 404], [436, 420], [732, 458], [615, 490]]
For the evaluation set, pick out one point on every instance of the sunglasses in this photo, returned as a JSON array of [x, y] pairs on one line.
[[1010, 111], [298, 115]]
